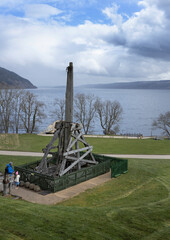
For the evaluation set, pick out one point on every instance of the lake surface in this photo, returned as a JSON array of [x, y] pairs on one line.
[[140, 107]]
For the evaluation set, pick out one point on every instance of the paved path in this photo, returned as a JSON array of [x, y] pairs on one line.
[[53, 198], [37, 154], [17, 153], [100, 136], [138, 156]]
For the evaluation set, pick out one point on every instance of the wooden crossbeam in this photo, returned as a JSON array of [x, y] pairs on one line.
[[49, 148], [63, 164], [74, 163], [78, 153], [78, 150], [75, 140], [69, 143], [43, 163], [83, 160], [80, 139], [92, 157]]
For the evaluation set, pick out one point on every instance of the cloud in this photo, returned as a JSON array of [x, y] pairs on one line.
[[111, 13], [146, 33], [124, 50], [40, 11]]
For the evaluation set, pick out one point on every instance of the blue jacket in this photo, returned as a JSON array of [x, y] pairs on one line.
[[10, 169]]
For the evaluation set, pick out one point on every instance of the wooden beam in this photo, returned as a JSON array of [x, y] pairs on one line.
[[69, 143], [77, 147], [78, 150], [69, 95], [92, 157], [82, 139], [83, 160], [74, 163], [75, 140], [63, 164]]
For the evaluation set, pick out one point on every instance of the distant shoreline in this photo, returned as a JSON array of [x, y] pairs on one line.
[[155, 85]]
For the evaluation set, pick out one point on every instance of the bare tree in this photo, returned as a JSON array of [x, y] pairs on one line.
[[19, 97], [85, 110], [6, 108], [31, 112], [59, 111], [163, 123], [109, 114]]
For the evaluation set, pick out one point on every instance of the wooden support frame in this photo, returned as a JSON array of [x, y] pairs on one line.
[[68, 159], [74, 163]]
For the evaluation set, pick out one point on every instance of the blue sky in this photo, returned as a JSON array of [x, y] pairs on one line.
[[108, 41], [78, 11]]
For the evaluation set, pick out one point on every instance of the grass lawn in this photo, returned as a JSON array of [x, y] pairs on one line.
[[134, 206], [19, 160], [35, 143]]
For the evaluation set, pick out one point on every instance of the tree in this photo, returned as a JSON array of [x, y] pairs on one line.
[[18, 109], [85, 110], [19, 98], [109, 114], [6, 108], [31, 112], [163, 123], [59, 111]]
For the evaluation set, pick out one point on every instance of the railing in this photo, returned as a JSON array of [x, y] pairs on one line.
[[54, 184]]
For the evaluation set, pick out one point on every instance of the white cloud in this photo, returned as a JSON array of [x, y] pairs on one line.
[[146, 33], [111, 13], [37, 11], [137, 48]]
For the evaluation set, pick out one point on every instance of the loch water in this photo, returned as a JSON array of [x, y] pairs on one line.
[[140, 106]]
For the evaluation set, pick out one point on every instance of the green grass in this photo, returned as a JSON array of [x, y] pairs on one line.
[[35, 143], [129, 146], [134, 206], [23, 142], [19, 160]]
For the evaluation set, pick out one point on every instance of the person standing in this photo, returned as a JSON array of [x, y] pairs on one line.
[[17, 180], [9, 175], [9, 169]]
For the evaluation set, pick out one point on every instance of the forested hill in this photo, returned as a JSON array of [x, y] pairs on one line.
[[10, 79], [163, 84]]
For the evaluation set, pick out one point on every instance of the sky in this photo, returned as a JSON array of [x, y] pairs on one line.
[[107, 41]]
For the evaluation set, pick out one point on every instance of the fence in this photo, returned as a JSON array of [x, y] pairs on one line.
[[118, 167], [54, 184]]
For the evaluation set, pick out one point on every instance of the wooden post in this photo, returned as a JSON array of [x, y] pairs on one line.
[[69, 94], [68, 105]]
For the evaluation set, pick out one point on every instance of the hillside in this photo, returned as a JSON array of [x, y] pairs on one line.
[[163, 84], [10, 79]]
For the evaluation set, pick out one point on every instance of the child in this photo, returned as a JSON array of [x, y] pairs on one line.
[[17, 179]]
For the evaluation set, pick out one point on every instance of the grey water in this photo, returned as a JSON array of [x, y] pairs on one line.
[[140, 107]]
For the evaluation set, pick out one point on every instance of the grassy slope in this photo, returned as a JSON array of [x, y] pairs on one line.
[[130, 146], [134, 206], [23, 142], [35, 143], [19, 160]]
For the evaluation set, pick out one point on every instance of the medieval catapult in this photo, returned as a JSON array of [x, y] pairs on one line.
[[70, 156], [71, 161]]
